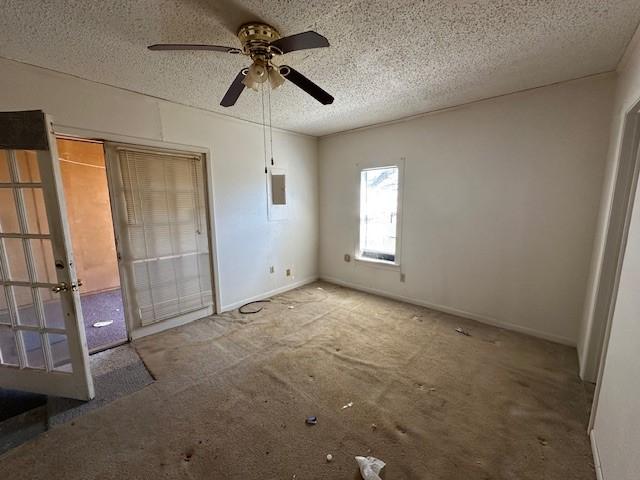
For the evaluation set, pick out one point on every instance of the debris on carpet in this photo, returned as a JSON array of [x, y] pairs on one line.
[[370, 467], [251, 312], [103, 324]]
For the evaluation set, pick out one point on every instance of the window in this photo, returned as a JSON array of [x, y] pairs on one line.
[[379, 213]]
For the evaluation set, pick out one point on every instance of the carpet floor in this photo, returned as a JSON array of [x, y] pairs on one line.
[[384, 378], [23, 416], [96, 307], [100, 307]]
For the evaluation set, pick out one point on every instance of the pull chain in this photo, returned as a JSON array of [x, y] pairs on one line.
[[264, 130], [270, 125], [264, 146]]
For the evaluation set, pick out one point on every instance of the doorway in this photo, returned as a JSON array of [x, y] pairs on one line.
[[162, 225], [139, 221], [86, 194]]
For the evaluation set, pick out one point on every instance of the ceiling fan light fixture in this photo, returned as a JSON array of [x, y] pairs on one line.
[[256, 74], [275, 79]]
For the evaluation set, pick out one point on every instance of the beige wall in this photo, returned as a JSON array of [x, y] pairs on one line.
[[500, 205], [246, 240], [89, 212]]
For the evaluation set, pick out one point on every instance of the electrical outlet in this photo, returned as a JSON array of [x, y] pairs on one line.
[[402, 277], [347, 257], [288, 272], [272, 269]]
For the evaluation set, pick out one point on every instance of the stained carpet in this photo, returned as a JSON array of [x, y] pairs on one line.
[[233, 392]]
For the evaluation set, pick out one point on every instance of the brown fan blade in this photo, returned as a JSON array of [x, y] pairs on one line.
[[300, 41], [305, 84], [235, 89], [187, 46]]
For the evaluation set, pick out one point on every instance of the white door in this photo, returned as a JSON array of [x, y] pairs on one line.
[[43, 348], [162, 235]]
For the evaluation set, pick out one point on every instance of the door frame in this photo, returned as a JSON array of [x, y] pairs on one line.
[[208, 179], [110, 149], [628, 156]]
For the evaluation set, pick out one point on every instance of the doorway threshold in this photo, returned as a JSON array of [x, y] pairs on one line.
[[108, 346]]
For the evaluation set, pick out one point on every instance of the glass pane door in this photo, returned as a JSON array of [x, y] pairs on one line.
[[42, 343]]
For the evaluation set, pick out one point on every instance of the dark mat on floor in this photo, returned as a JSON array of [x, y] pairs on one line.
[[13, 403], [116, 373], [110, 386]]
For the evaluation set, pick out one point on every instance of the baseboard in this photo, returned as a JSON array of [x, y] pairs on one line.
[[161, 326], [270, 293], [596, 455], [454, 311]]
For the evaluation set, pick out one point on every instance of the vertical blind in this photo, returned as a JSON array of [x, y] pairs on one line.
[[164, 232]]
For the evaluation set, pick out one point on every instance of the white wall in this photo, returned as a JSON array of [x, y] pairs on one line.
[[617, 422], [247, 242], [500, 205], [592, 328]]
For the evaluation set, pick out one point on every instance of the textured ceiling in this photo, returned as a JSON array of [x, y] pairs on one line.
[[387, 60]]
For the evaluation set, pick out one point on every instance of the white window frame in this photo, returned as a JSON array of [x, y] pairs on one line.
[[372, 165]]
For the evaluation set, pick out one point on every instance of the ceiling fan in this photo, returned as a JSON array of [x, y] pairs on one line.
[[262, 43]]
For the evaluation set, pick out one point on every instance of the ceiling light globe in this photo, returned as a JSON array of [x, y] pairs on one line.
[[275, 79], [256, 74]]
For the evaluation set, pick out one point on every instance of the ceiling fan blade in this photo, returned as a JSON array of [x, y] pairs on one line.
[[187, 46], [235, 89], [300, 41], [305, 84]]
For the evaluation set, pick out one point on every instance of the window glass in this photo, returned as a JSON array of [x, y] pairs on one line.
[[379, 213]]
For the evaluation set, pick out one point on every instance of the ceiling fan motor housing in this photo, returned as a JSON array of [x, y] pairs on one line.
[[256, 40]]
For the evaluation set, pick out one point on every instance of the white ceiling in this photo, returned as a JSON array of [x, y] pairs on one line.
[[388, 59]]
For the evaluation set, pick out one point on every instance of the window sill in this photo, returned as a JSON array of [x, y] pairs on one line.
[[378, 263]]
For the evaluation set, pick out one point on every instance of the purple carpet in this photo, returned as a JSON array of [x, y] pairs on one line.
[[96, 307], [100, 307]]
